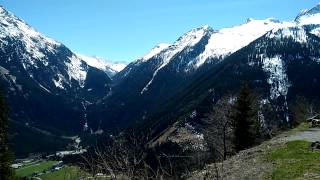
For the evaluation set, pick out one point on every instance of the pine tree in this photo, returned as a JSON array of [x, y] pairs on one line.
[[6, 156], [244, 124]]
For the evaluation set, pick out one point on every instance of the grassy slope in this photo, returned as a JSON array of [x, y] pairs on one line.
[[278, 158], [68, 172], [34, 168], [295, 160]]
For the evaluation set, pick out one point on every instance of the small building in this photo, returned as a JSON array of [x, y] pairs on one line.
[[58, 166], [16, 166]]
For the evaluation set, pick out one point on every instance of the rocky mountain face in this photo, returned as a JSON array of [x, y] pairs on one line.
[[48, 86]]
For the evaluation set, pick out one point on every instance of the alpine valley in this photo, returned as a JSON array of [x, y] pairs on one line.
[[55, 94]]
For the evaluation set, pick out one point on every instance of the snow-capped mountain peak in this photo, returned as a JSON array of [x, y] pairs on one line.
[[12, 26], [309, 16], [117, 66], [109, 67], [47, 62], [192, 37], [189, 39], [229, 40], [94, 62]]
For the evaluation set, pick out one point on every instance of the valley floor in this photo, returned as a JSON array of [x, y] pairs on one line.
[[48, 170], [287, 156]]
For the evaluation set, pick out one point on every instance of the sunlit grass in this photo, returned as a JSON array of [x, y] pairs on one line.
[[36, 167], [296, 160]]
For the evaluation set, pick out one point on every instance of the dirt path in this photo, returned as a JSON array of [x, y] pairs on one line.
[[250, 164], [311, 135]]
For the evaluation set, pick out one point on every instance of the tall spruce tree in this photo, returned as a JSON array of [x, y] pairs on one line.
[[6, 172], [244, 124]]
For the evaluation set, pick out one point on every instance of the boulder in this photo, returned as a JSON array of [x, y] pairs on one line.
[[316, 145]]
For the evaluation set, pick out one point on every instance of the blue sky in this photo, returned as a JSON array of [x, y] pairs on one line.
[[123, 30]]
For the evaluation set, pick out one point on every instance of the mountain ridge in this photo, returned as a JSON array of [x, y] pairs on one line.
[[46, 84], [159, 80]]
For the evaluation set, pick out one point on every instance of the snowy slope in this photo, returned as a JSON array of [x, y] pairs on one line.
[[36, 49], [311, 16], [76, 70], [228, 40], [154, 51], [167, 52], [189, 39], [34, 42], [46, 61]]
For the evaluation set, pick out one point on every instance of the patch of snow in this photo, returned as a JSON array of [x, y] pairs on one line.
[[44, 88], [77, 140], [59, 83], [4, 70], [85, 126], [317, 60], [278, 78], [98, 132], [76, 70], [189, 138], [297, 33], [13, 78], [127, 72], [316, 31], [193, 114]]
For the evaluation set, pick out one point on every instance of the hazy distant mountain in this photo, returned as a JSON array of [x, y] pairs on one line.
[[111, 68]]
